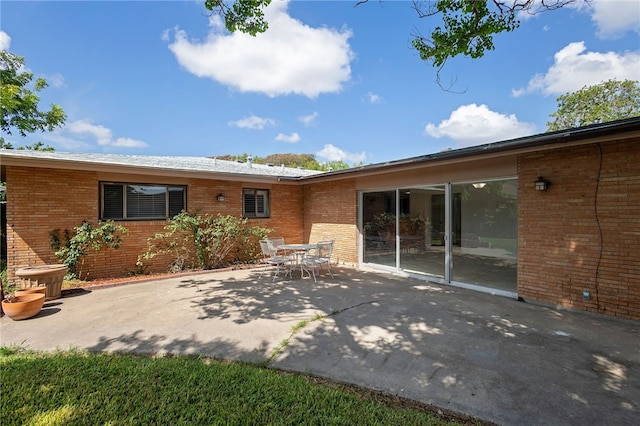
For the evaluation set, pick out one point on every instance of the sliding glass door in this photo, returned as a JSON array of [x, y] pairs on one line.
[[485, 234], [422, 229], [379, 219], [465, 233]]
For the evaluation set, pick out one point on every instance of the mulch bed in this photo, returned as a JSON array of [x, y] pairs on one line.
[[99, 283]]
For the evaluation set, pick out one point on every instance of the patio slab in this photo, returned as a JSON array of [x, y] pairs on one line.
[[490, 357]]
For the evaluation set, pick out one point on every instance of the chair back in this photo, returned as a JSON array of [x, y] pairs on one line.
[[325, 248], [276, 241], [268, 250]]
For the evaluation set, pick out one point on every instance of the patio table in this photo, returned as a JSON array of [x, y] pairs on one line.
[[299, 250]]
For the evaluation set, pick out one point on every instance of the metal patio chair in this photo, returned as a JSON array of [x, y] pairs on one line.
[[272, 258], [320, 256]]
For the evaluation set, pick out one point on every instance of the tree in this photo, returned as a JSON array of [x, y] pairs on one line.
[[468, 26], [38, 146], [19, 103], [306, 161], [607, 101]]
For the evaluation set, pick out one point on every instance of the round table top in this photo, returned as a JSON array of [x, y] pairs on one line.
[[298, 246]]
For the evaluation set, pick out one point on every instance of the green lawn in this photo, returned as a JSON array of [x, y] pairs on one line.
[[72, 387]]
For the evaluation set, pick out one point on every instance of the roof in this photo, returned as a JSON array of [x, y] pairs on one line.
[[542, 141], [234, 169], [184, 164]]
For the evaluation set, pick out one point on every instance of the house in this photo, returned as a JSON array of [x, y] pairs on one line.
[[552, 218]]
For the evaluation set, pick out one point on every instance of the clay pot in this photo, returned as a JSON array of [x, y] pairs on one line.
[[50, 276], [32, 290], [24, 306]]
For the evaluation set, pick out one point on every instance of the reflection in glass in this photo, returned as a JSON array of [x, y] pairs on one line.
[[379, 219], [421, 225], [485, 234]]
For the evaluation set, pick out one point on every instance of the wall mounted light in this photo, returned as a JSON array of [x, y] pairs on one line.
[[220, 197], [479, 185], [542, 184]]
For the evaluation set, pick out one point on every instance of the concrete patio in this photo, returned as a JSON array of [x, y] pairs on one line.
[[490, 357]]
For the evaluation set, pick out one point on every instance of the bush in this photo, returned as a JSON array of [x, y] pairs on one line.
[[205, 241], [72, 248]]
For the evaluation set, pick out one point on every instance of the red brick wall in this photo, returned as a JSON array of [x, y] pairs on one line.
[[40, 200], [331, 212], [565, 248]]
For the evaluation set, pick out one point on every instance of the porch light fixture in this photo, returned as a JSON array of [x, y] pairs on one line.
[[542, 184], [220, 197], [479, 185]]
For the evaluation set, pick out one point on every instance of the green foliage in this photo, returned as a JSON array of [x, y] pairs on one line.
[[38, 146], [20, 103], [600, 103], [246, 16], [305, 161], [468, 29], [3, 273], [205, 241], [71, 248], [8, 290], [468, 26], [381, 222], [74, 388]]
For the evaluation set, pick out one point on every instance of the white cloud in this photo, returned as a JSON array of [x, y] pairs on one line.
[[373, 98], [128, 143], [82, 129], [292, 138], [308, 120], [101, 134], [613, 18], [5, 41], [289, 58], [474, 125], [574, 68], [252, 122], [333, 153], [56, 80]]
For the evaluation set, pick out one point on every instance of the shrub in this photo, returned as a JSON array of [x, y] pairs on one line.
[[205, 241], [71, 248]]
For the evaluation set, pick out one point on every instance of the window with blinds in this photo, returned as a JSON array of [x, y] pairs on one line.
[[133, 201], [255, 202]]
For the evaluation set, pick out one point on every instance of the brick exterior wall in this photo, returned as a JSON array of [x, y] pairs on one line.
[[331, 212], [40, 200], [583, 233]]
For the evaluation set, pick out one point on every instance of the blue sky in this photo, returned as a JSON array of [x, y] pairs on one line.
[[328, 78]]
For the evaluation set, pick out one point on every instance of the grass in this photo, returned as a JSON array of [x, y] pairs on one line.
[[72, 387]]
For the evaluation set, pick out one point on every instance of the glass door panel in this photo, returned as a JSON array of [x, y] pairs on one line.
[[422, 229], [379, 227], [484, 233]]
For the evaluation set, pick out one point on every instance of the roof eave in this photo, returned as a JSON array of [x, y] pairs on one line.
[[10, 160], [568, 137]]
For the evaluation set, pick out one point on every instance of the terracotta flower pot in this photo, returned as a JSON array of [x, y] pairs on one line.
[[24, 306], [32, 290], [50, 276]]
